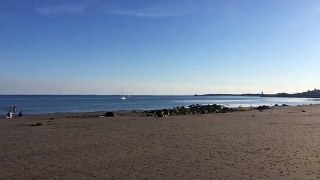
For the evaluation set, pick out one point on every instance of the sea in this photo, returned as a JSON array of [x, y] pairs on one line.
[[41, 104]]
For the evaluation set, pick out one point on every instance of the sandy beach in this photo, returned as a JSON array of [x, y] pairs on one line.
[[280, 143]]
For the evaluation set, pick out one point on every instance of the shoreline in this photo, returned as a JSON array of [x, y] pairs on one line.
[[142, 111], [63, 104]]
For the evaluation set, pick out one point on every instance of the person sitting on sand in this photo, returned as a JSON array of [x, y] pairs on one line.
[[9, 114], [20, 114]]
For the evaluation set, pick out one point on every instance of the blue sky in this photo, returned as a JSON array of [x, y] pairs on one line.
[[158, 47]]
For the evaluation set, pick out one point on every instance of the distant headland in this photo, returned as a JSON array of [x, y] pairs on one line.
[[308, 94]]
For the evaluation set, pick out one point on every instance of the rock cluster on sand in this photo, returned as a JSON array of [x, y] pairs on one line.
[[109, 114], [264, 107], [194, 109], [37, 124]]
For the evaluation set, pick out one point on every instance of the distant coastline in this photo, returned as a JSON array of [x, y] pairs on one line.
[[227, 95], [308, 94]]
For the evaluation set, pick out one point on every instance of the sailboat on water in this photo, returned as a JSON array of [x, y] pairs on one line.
[[122, 96]]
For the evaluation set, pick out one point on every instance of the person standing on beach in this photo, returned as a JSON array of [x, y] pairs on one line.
[[9, 115]]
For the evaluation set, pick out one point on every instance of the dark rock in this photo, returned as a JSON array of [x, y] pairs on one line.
[[276, 105], [37, 124], [166, 112], [204, 112], [284, 105], [171, 112], [160, 113], [175, 111], [109, 114], [264, 107], [225, 110]]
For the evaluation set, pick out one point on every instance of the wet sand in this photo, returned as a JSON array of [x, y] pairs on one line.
[[281, 143]]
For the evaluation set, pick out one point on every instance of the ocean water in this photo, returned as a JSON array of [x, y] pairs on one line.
[[89, 103]]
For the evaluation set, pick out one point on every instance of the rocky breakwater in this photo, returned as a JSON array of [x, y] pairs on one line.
[[195, 109]]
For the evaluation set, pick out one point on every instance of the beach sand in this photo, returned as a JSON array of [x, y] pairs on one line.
[[281, 143]]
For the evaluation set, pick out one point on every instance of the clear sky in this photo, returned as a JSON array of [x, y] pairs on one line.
[[159, 46]]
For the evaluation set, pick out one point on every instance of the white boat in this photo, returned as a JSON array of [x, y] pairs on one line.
[[122, 96]]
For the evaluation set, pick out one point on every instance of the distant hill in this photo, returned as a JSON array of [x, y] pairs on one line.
[[228, 95], [309, 94]]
